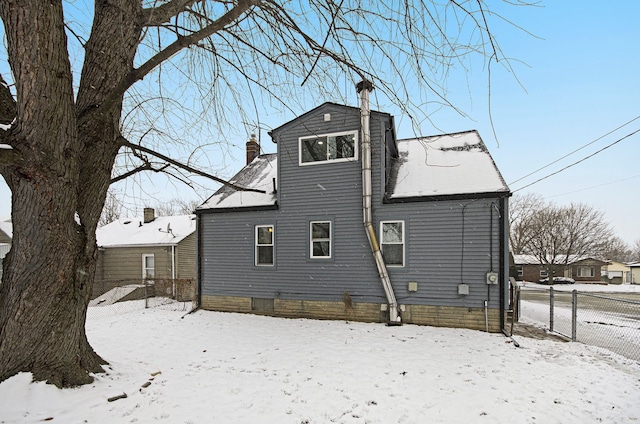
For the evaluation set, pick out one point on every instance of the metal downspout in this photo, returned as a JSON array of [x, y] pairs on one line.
[[504, 270], [364, 88], [173, 262], [173, 271]]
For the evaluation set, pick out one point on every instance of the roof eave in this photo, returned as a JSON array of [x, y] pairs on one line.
[[239, 209], [443, 197]]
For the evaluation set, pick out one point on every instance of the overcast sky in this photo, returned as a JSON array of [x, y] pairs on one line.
[[580, 79]]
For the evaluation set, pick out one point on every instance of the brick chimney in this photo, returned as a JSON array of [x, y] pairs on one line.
[[253, 149], [149, 215]]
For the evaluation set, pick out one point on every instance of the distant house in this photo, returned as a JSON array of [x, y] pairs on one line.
[[584, 269], [616, 273], [148, 247], [393, 230], [6, 235], [635, 272]]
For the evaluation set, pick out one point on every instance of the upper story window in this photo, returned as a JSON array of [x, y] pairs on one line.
[[336, 147], [320, 239], [392, 243], [264, 245]]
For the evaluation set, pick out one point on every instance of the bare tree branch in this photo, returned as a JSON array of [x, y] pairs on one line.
[[124, 142], [182, 42], [146, 167], [158, 15]]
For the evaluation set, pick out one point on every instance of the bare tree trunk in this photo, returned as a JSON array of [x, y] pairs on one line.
[[59, 185]]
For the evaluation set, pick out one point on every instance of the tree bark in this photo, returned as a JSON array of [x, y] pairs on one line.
[[59, 185]]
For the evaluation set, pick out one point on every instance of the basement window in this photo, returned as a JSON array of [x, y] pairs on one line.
[[338, 147], [392, 242], [264, 245]]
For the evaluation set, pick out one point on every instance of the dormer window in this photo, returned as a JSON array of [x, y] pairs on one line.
[[337, 147]]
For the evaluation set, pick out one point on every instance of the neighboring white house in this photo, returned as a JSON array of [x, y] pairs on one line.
[[616, 273], [6, 234], [635, 272]]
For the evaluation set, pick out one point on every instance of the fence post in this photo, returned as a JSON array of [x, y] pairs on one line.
[[551, 300], [146, 294], [574, 315]]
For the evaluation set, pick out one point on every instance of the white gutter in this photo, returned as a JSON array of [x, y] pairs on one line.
[[173, 262], [364, 88]]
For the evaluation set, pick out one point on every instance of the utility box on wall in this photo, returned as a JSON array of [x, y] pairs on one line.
[[412, 286]]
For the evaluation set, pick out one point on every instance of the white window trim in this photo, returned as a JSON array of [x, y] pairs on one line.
[[355, 148], [311, 239], [404, 246], [144, 263], [273, 244], [591, 271]]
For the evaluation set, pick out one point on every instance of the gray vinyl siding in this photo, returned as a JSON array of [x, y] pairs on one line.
[[434, 241], [434, 252]]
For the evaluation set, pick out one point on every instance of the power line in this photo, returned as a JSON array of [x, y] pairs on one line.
[[581, 160], [577, 150], [596, 186]]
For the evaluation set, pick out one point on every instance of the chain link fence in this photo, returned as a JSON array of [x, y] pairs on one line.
[[608, 321], [129, 295]]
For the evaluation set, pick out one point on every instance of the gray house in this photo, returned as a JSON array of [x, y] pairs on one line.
[[347, 222]]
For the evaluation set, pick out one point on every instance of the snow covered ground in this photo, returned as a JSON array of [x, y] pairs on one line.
[[211, 367], [614, 326]]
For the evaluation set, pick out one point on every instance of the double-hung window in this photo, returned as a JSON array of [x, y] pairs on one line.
[[392, 242], [264, 245], [320, 237], [148, 266], [328, 148]]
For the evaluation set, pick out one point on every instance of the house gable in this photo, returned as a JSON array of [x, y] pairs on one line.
[[311, 256]]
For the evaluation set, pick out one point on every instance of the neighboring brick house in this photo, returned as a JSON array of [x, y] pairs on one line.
[[530, 268], [412, 230]]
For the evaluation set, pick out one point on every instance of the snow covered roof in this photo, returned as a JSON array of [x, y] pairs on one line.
[[259, 175], [162, 231], [449, 164]]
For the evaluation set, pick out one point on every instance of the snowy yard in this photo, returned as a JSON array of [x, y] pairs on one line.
[[213, 367]]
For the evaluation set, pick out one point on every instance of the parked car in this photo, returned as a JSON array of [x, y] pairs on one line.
[[557, 280]]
